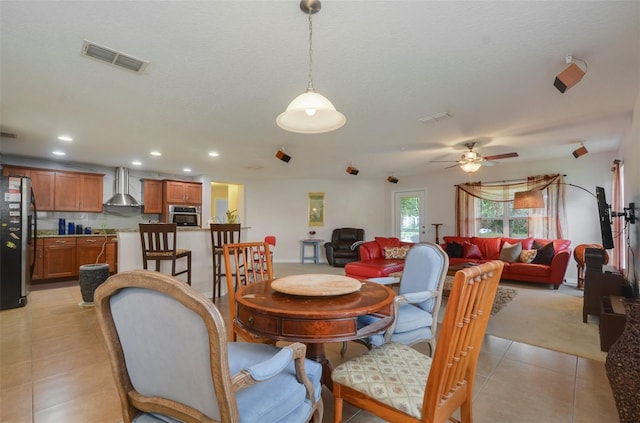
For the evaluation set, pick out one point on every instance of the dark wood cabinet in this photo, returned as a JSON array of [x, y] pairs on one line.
[[152, 196], [608, 281], [96, 249], [59, 259]]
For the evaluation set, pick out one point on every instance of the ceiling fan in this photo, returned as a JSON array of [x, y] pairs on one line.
[[470, 161]]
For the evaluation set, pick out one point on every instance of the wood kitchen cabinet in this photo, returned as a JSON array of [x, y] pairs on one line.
[[62, 191], [78, 192], [96, 249], [59, 259], [179, 192], [152, 196], [39, 253], [42, 182]]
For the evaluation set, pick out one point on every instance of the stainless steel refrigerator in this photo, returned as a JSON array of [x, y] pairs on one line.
[[18, 229]]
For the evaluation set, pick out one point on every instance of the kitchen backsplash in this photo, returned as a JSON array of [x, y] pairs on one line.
[[119, 218]]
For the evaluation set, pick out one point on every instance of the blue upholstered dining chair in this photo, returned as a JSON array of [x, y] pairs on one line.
[[418, 300], [172, 363]]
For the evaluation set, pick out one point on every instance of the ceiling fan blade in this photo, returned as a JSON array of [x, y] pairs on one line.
[[501, 156], [443, 161], [455, 165]]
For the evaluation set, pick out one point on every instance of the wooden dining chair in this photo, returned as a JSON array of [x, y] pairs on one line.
[[400, 384], [221, 233], [158, 242], [245, 263]]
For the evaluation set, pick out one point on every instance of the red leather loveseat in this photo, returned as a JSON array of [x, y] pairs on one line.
[[549, 271], [373, 263]]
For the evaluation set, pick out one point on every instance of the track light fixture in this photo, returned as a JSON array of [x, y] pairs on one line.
[[283, 156], [352, 170], [571, 75], [392, 179]]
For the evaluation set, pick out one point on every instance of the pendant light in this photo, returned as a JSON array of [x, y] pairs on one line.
[[310, 113]]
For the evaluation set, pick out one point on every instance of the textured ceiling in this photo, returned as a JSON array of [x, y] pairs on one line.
[[221, 71]]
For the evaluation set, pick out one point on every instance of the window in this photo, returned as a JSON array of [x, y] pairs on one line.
[[496, 218]]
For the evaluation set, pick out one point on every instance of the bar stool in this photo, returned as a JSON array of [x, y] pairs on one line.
[[221, 233], [159, 243]]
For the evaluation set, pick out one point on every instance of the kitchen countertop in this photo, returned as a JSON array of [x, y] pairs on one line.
[[52, 233]]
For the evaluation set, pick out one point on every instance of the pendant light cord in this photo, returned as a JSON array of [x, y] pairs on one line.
[[310, 85]]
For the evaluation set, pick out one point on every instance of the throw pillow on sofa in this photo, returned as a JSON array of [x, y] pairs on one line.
[[527, 256], [396, 252], [544, 254], [471, 251], [454, 249], [510, 253]]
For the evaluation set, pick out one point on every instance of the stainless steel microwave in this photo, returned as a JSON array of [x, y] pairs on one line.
[[184, 215]]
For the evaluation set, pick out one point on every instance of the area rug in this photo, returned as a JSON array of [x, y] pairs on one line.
[[503, 296]]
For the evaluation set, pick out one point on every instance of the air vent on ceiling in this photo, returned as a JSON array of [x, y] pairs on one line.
[[105, 54]]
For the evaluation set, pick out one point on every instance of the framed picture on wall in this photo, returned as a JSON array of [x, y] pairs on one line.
[[316, 209]]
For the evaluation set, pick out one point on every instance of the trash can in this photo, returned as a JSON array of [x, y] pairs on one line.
[[91, 276]]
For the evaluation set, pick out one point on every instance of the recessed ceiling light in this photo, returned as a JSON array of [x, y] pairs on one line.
[[136, 163], [59, 153], [186, 169], [213, 154], [156, 153], [65, 138]]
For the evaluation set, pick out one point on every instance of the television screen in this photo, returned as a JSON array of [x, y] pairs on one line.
[[605, 219]]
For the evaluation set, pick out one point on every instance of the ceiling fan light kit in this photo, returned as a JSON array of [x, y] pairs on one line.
[[310, 112]]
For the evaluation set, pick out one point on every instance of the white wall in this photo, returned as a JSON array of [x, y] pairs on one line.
[[582, 214], [630, 155], [279, 207]]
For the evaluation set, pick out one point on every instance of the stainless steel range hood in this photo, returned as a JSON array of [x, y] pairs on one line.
[[121, 198]]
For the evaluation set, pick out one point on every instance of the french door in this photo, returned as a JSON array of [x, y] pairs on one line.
[[409, 215]]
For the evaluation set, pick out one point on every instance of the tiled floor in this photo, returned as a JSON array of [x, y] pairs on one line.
[[54, 368]]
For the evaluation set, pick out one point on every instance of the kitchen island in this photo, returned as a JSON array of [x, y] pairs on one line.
[[198, 240]]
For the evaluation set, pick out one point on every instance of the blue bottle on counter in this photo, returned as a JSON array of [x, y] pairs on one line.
[[78, 229], [62, 226], [87, 230], [71, 228]]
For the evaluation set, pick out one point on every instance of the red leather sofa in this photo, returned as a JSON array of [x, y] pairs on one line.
[[373, 263], [490, 249]]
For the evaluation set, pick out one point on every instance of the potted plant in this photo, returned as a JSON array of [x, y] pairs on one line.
[[232, 216]]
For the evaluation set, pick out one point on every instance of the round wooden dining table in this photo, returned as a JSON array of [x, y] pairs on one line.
[[312, 320]]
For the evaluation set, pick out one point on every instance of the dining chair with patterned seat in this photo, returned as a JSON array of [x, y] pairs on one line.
[[400, 384], [171, 360], [158, 242], [221, 233], [245, 263]]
